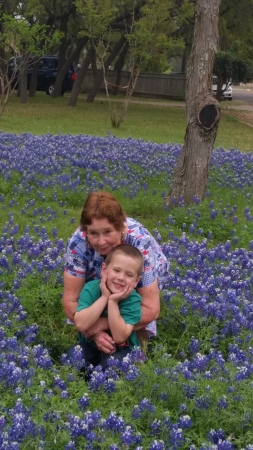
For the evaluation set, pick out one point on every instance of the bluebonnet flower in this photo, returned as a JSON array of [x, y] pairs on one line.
[[164, 396], [2, 423], [176, 436], [225, 445], [213, 213], [190, 391], [216, 435], [157, 445], [77, 360], [51, 416], [155, 428], [185, 421], [83, 402], [203, 402], [132, 373], [183, 407], [97, 379], [222, 402], [136, 412], [70, 446], [41, 357], [109, 385], [114, 423], [64, 394], [145, 405], [74, 425], [128, 437], [194, 345], [59, 383]]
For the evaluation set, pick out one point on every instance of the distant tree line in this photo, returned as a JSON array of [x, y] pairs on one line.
[[139, 35]]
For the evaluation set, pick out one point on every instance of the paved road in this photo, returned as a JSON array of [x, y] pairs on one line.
[[243, 93], [240, 93]]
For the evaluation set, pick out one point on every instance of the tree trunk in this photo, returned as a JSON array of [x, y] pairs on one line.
[[23, 86], [23, 79], [94, 66], [119, 67], [80, 76], [61, 74], [219, 92], [58, 89], [33, 82], [3, 63], [183, 63], [64, 43], [202, 110], [5, 90], [99, 79]]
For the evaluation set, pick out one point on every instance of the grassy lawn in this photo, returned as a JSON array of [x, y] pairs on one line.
[[159, 122]]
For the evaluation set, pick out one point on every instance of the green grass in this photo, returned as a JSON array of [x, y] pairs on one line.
[[159, 122]]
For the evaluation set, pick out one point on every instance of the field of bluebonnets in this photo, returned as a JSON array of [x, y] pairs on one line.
[[195, 390]]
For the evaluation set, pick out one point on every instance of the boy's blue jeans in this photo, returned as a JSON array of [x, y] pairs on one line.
[[96, 357]]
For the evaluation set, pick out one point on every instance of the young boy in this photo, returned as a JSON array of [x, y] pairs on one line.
[[114, 297]]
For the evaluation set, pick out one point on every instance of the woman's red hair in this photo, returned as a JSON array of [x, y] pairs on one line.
[[102, 205]]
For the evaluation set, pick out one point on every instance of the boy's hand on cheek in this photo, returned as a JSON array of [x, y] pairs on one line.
[[103, 287], [123, 294]]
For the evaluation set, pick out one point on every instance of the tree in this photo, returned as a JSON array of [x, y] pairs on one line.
[[80, 75], [202, 110], [59, 15], [236, 40], [138, 33], [236, 28], [151, 39], [6, 7], [72, 57], [227, 68], [27, 41], [97, 18]]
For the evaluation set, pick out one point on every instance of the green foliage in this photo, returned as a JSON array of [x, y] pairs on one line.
[[152, 37], [21, 37], [235, 28], [228, 67], [97, 16]]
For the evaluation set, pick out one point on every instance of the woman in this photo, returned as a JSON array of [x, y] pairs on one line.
[[104, 225]]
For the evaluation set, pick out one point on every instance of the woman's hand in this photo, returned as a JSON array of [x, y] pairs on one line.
[[104, 342]]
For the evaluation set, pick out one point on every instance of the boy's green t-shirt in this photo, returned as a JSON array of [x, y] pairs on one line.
[[130, 309]]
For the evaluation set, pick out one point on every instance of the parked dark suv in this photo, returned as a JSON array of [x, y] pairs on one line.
[[46, 75]]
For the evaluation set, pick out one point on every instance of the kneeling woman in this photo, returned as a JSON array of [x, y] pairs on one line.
[[104, 225]]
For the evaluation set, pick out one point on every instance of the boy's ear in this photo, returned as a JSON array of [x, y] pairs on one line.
[[137, 281], [104, 268]]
